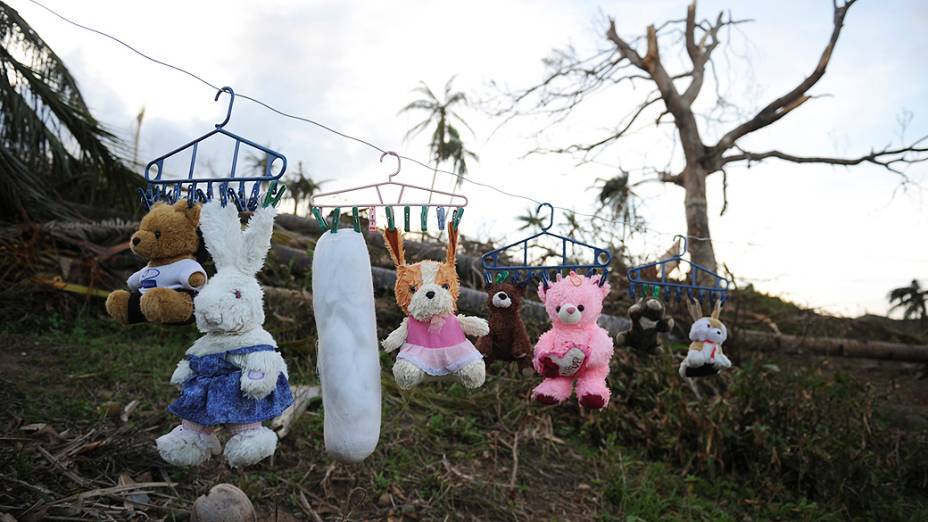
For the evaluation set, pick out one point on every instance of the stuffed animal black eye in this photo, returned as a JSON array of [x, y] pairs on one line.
[[445, 286], [557, 308], [412, 288], [157, 234], [580, 307], [238, 294]]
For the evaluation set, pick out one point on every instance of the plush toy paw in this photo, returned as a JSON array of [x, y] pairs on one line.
[[163, 305], [187, 447], [117, 306], [473, 375], [250, 446], [592, 401], [474, 326], [257, 384], [181, 374], [552, 391], [695, 358], [562, 365], [406, 374]]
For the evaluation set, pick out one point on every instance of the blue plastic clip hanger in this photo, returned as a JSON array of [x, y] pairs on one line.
[[691, 287], [524, 273], [158, 187]]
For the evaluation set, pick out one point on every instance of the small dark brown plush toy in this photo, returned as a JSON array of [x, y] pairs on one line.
[[163, 291], [507, 340], [648, 320]]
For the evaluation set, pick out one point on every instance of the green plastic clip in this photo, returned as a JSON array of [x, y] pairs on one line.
[[273, 195], [335, 218], [406, 219], [457, 217], [356, 219], [390, 225], [502, 276], [656, 293], [424, 218], [321, 220]]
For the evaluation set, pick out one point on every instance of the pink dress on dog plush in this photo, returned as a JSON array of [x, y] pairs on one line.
[[575, 348], [437, 347]]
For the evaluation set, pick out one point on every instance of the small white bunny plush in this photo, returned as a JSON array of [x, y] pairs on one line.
[[233, 375], [707, 334]]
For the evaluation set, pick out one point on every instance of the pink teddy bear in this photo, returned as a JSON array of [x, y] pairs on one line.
[[575, 348]]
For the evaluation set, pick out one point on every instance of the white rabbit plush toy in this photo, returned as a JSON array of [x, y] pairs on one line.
[[707, 334], [233, 376]]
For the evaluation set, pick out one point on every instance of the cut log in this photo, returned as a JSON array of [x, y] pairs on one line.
[[470, 300], [750, 340], [469, 267]]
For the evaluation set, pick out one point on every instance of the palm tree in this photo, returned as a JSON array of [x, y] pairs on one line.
[[616, 195], [446, 143], [531, 219], [56, 160], [912, 299], [301, 186]]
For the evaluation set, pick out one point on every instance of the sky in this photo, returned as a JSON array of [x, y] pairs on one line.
[[832, 238]]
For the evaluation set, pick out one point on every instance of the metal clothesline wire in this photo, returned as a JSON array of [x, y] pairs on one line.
[[362, 141]]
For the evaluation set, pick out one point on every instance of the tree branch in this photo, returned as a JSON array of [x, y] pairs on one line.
[[889, 159], [791, 100]]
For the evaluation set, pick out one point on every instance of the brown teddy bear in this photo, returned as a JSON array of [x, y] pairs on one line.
[[648, 320], [507, 340], [163, 291]]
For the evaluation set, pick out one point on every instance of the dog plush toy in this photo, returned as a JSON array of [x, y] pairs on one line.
[[648, 320], [507, 340], [233, 375], [432, 339], [163, 291], [707, 334], [575, 348]]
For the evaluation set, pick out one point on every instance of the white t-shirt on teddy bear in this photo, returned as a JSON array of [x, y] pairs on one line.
[[174, 275]]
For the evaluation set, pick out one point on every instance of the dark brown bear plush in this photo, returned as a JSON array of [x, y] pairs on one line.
[[647, 321], [163, 291], [507, 340]]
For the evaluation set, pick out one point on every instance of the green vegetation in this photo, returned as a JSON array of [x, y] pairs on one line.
[[765, 444]]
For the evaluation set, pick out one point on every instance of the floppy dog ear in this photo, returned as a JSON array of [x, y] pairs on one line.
[[717, 310], [394, 242], [451, 256]]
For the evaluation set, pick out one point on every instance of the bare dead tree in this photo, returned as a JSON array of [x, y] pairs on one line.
[[571, 79]]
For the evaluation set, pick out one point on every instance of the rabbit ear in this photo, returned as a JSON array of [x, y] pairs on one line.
[[222, 233], [717, 310], [256, 240], [694, 308]]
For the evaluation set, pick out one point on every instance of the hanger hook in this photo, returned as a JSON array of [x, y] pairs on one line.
[[550, 221], [229, 110], [398, 161], [682, 252]]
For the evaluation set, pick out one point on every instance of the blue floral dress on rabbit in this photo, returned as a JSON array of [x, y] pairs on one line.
[[213, 394]]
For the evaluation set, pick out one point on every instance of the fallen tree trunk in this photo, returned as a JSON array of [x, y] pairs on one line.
[[753, 341], [467, 266], [470, 300]]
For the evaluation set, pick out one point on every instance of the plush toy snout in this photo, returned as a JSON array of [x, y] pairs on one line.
[[502, 300], [144, 243], [569, 313], [430, 300]]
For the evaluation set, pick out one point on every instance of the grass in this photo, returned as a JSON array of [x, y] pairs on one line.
[[761, 445]]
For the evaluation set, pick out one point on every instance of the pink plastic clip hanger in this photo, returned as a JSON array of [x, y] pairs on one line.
[[457, 200]]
